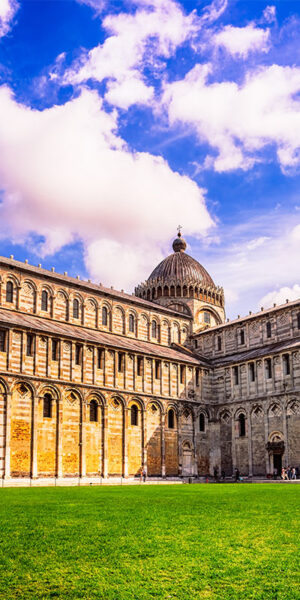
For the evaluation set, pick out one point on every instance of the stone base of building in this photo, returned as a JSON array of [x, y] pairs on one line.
[[87, 481]]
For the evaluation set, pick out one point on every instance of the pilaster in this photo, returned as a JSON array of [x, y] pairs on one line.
[[105, 442], [125, 442], [249, 427], [83, 440], [163, 444], [34, 432], [59, 432], [7, 437]]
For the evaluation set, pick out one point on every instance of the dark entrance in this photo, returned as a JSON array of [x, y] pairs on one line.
[[277, 462]]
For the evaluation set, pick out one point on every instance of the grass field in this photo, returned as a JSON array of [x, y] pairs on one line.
[[238, 541]]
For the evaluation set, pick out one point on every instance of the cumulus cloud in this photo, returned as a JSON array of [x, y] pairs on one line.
[[8, 9], [67, 175], [280, 296], [134, 41], [239, 41], [239, 121]]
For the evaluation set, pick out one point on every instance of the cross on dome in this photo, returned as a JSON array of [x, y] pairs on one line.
[[179, 244]]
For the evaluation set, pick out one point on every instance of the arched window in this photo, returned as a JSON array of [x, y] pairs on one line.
[[154, 329], [252, 371], [76, 308], [298, 320], [201, 422], [268, 368], [93, 411], [44, 300], [171, 419], [236, 375], [242, 336], [131, 323], [78, 354], [104, 316], [55, 348], [269, 329], [9, 292], [219, 342], [206, 318], [134, 415], [286, 364], [2, 340], [47, 406], [242, 425]]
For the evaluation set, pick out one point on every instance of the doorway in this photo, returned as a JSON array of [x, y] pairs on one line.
[[187, 460], [277, 462]]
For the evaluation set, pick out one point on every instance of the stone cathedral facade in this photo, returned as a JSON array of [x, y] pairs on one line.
[[98, 384]]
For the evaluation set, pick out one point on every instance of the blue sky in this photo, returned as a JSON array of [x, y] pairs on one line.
[[120, 120]]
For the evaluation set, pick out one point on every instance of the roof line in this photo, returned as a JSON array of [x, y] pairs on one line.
[[249, 317], [100, 289]]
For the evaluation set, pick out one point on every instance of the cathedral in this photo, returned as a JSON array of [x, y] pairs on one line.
[[98, 385]]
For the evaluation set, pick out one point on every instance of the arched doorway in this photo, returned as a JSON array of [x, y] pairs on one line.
[[187, 459], [275, 447]]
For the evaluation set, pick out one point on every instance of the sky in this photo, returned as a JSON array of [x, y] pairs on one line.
[[120, 121]]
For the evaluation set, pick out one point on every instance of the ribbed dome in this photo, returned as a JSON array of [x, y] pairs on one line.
[[182, 268]]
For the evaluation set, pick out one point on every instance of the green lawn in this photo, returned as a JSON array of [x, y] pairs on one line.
[[215, 541]]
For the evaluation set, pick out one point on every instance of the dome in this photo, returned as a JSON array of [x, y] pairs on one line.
[[180, 267]]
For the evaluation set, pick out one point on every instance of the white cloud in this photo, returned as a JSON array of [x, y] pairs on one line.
[[8, 9], [96, 5], [269, 14], [239, 41], [239, 121], [280, 296], [214, 11], [67, 175], [253, 244], [154, 31], [129, 91]]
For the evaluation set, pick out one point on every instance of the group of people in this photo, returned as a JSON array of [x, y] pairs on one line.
[[290, 473]]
